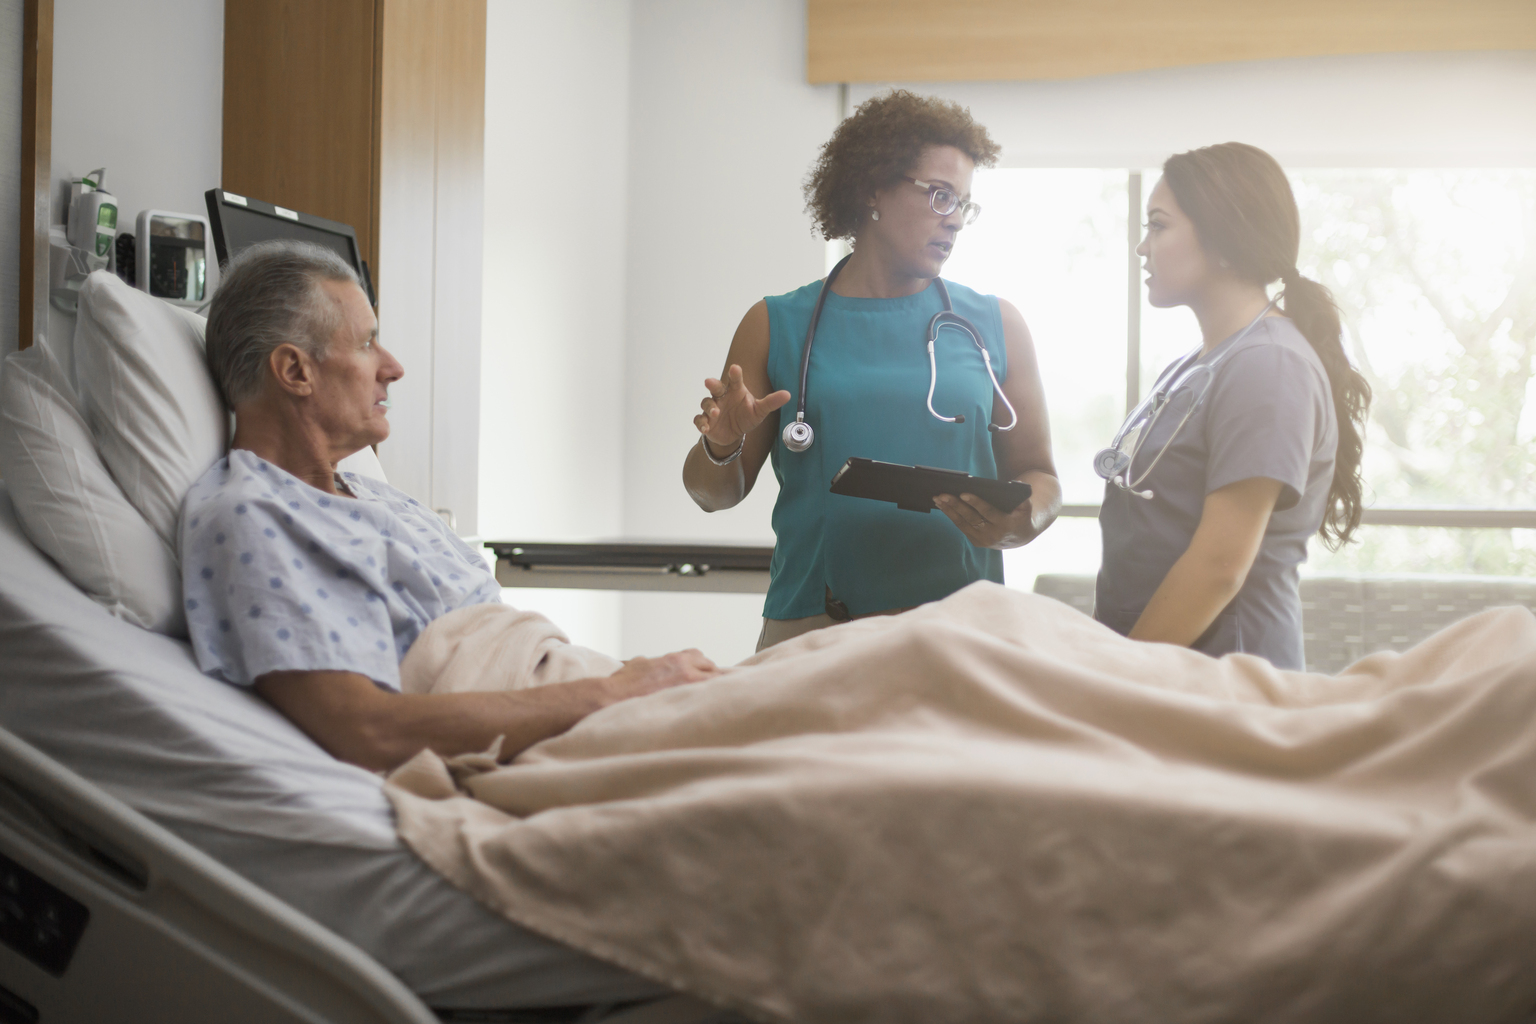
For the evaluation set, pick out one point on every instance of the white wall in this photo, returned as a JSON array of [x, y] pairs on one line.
[[672, 137], [10, 170], [723, 128], [552, 342], [158, 128]]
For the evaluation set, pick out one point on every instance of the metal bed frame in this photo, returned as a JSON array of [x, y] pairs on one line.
[[105, 915]]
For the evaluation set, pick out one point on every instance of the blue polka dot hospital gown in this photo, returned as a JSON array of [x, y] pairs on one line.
[[280, 576]]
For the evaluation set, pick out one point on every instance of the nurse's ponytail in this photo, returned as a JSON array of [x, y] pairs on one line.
[[1244, 213]]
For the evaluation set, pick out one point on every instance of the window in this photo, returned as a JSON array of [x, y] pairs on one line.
[[1053, 242], [1435, 274]]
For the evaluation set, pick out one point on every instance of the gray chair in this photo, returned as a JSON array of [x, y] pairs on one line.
[[1345, 618]]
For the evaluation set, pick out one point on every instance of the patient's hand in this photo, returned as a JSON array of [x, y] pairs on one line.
[[641, 676]]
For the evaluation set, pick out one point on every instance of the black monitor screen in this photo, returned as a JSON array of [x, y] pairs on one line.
[[239, 221]]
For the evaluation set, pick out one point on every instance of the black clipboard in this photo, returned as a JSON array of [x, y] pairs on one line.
[[913, 488]]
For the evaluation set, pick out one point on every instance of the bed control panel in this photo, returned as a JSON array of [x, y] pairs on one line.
[[37, 919]]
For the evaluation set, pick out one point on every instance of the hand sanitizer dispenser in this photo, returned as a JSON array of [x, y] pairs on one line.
[[92, 217], [85, 242]]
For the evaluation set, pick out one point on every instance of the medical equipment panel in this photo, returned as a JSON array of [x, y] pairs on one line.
[[171, 256]]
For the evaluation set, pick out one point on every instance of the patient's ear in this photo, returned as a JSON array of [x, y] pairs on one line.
[[292, 369]]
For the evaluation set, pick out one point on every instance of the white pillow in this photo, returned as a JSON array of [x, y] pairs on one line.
[[69, 505], [147, 396]]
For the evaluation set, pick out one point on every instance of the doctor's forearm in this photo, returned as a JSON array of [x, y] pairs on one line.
[[1044, 497], [713, 487]]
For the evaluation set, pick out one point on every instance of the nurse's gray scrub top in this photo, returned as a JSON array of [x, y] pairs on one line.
[[1268, 412]]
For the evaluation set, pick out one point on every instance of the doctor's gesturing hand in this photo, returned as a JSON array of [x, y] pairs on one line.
[[731, 412]]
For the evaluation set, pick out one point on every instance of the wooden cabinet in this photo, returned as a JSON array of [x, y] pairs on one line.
[[301, 108], [372, 113]]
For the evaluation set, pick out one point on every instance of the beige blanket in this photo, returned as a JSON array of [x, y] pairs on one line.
[[994, 809], [496, 647]]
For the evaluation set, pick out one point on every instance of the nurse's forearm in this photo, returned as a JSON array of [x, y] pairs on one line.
[[1212, 570], [1190, 597], [713, 487]]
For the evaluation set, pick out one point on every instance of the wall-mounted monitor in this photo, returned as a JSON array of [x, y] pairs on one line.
[[239, 221]]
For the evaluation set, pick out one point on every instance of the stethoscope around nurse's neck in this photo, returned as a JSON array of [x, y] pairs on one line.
[[798, 436], [1113, 463]]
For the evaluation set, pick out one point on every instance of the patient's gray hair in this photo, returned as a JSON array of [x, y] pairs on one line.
[[270, 295]]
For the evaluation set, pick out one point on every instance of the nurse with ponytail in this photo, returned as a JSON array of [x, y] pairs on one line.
[[1258, 444]]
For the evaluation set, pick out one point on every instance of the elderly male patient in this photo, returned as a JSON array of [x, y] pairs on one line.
[[312, 585]]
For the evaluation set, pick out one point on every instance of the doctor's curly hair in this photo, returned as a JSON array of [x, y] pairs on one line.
[[877, 145]]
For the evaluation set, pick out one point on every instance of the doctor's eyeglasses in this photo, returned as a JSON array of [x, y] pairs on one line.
[[944, 202]]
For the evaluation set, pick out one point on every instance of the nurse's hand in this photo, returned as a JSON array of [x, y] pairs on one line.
[[731, 411], [987, 527]]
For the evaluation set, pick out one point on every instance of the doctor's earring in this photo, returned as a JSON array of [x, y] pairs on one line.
[[874, 214]]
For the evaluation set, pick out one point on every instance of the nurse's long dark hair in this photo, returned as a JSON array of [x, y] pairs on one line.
[[1244, 212]]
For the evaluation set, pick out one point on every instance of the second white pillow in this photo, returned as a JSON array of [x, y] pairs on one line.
[[147, 396]]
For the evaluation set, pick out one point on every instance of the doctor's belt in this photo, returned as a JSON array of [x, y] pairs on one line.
[[837, 611]]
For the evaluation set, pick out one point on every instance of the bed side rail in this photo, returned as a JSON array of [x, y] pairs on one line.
[[104, 915]]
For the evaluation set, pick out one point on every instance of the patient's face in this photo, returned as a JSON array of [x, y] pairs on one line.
[[352, 384], [1176, 265]]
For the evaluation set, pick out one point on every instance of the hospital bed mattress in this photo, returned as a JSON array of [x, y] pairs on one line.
[[128, 710]]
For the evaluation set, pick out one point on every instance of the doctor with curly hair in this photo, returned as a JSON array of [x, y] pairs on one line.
[[895, 180]]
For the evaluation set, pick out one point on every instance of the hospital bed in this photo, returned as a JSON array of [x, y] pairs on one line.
[[157, 876], [174, 849]]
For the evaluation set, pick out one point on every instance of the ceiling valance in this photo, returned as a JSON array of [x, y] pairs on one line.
[[981, 40]]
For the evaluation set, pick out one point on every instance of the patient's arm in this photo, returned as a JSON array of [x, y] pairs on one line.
[[1212, 569], [356, 721]]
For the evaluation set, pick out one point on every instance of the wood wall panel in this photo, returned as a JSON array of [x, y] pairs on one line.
[[36, 169], [970, 40], [299, 83], [407, 192]]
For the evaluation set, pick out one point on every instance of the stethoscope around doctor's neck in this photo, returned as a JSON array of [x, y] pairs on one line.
[[798, 436], [1114, 463]]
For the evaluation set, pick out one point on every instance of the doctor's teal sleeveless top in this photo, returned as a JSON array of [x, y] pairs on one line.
[[867, 395]]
